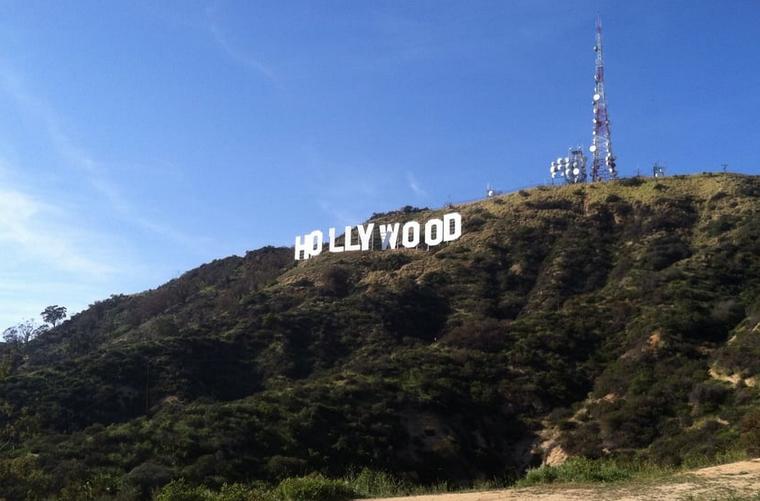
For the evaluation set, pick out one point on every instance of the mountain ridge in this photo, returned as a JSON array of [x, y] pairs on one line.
[[597, 313]]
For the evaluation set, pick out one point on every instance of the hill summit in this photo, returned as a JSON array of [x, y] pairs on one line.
[[591, 320]]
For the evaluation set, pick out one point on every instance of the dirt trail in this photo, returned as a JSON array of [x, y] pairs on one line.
[[725, 481]]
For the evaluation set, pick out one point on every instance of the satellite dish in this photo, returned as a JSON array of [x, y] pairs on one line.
[[592, 148], [576, 171], [597, 97]]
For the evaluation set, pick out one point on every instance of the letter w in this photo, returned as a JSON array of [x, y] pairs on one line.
[[389, 235]]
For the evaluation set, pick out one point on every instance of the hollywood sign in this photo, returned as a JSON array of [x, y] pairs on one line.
[[434, 232]]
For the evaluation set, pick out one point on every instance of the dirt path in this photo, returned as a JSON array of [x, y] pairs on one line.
[[717, 482]]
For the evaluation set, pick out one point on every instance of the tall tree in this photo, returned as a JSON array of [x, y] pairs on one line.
[[53, 314]]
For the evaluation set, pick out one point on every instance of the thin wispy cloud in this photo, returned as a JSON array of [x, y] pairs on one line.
[[34, 230], [81, 160], [49, 236], [234, 53], [414, 185]]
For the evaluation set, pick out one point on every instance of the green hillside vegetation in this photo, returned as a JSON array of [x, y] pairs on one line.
[[622, 319]]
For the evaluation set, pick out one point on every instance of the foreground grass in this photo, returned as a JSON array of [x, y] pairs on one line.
[[582, 470], [314, 487], [374, 484]]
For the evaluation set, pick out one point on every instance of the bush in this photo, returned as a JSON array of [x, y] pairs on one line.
[[372, 483], [337, 281], [179, 490], [664, 251], [579, 470], [631, 181], [720, 225], [149, 476], [238, 492], [750, 432], [708, 396], [22, 478], [315, 487]]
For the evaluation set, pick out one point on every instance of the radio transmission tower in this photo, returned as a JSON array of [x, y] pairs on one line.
[[603, 161]]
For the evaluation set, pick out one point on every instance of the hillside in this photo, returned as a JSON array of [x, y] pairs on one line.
[[614, 319]]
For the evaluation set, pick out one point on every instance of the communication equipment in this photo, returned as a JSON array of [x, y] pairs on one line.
[[603, 163], [572, 168], [658, 170]]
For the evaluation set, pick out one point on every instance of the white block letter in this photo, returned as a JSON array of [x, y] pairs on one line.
[[389, 235], [410, 235], [452, 226], [333, 247], [311, 246], [347, 243], [437, 225], [365, 232], [301, 248]]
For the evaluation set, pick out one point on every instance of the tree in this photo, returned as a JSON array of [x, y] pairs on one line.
[[53, 314], [22, 333]]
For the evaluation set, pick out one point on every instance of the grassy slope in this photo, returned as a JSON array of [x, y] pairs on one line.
[[596, 312]]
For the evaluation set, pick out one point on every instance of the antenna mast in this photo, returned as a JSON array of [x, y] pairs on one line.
[[603, 161]]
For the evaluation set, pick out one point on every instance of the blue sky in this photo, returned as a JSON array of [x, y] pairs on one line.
[[141, 139]]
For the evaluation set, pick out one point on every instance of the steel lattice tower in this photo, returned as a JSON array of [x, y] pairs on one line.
[[603, 161]]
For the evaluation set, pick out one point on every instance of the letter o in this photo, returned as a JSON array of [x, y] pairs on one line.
[[315, 246], [436, 224], [413, 240]]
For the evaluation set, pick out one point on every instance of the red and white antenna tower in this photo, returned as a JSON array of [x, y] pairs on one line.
[[603, 161]]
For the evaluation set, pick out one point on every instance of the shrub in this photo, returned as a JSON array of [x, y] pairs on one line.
[[239, 492], [631, 181], [664, 251], [720, 225], [315, 487], [708, 396], [578, 470], [22, 478], [550, 204], [337, 281], [179, 490], [149, 476], [474, 222], [281, 467], [750, 432], [373, 483]]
